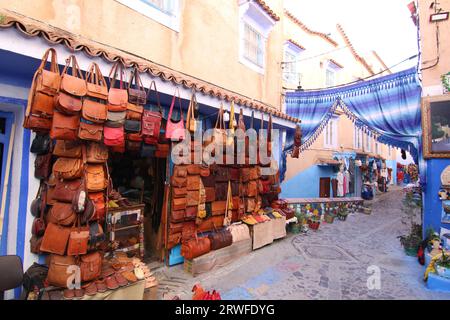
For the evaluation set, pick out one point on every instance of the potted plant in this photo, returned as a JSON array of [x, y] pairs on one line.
[[342, 214], [443, 265], [314, 222], [330, 216], [411, 241]]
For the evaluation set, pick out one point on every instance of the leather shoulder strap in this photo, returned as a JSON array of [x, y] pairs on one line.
[[153, 84]]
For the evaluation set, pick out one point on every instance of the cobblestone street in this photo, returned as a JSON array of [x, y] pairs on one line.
[[328, 264]]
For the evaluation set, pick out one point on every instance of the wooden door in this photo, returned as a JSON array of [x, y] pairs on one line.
[[325, 187]]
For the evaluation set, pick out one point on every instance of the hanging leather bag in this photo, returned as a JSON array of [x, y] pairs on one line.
[[65, 190], [96, 84], [90, 131], [41, 144], [136, 91], [68, 104], [132, 126], [193, 183], [192, 198], [220, 239], [96, 178], [191, 212], [177, 215], [117, 97], [94, 111], [210, 194], [178, 203], [221, 190], [38, 227], [44, 88], [74, 84], [193, 169], [68, 168], [191, 123], [114, 136], [98, 199], [58, 268], [67, 149], [61, 213], [64, 127], [134, 112], [96, 153], [179, 192], [91, 266], [195, 248], [151, 120], [175, 130], [42, 166], [78, 239], [55, 239], [218, 208]]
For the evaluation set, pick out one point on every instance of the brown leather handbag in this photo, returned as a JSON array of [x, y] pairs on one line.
[[177, 215], [218, 208], [68, 104], [44, 88], [96, 153], [64, 127], [178, 203], [74, 84], [204, 171], [234, 174], [210, 223], [90, 132], [94, 111], [175, 228], [136, 91], [178, 182], [65, 190], [134, 112], [98, 199], [210, 194], [179, 192], [209, 181], [193, 169], [175, 129], [62, 214], [91, 266], [192, 198], [220, 239], [68, 168], [78, 240], [193, 183], [195, 248], [252, 188], [55, 239], [151, 120], [221, 190], [117, 97], [191, 213], [96, 84], [67, 149], [96, 178], [222, 173], [58, 270], [42, 166]]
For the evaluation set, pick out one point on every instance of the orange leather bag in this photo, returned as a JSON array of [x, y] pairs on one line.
[[178, 203], [117, 97], [90, 132], [252, 188], [195, 248], [64, 127], [94, 111], [96, 153], [58, 268], [68, 168], [218, 208], [179, 192], [96, 178], [98, 198], [41, 96], [192, 198], [78, 240], [193, 183], [91, 266], [55, 239], [75, 83], [61, 213], [68, 104], [179, 182], [67, 149], [210, 223], [95, 83], [134, 112]]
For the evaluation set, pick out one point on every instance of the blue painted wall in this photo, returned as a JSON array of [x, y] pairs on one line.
[[432, 204], [392, 164], [306, 184]]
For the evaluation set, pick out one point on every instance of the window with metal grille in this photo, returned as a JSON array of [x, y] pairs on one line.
[[253, 46]]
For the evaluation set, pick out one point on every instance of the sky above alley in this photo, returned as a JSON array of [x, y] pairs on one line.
[[381, 25]]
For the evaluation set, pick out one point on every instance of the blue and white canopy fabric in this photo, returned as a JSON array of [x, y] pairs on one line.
[[387, 107]]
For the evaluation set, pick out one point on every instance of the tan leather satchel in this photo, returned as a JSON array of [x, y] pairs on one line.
[[64, 127], [95, 83], [94, 111], [117, 97], [178, 203], [55, 239], [68, 104], [96, 178], [68, 168], [58, 270], [91, 266], [134, 112], [67, 149], [62, 214], [90, 132], [192, 198], [75, 83], [96, 153], [78, 240], [193, 183]]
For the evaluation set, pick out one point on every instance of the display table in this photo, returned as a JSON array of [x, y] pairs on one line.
[[134, 291], [218, 258], [279, 228], [261, 234]]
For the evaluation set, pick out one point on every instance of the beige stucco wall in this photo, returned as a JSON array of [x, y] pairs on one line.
[[432, 77], [206, 46]]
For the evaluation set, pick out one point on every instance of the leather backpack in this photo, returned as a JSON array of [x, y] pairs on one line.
[[42, 166], [96, 179], [90, 131], [68, 168], [44, 88], [96, 153], [67, 149], [96, 84], [151, 120], [41, 144], [175, 130], [64, 127], [113, 136], [58, 274], [136, 91], [117, 97]]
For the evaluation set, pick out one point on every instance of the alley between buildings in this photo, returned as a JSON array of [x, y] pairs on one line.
[[331, 263]]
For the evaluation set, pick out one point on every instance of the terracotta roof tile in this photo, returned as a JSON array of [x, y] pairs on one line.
[[34, 28], [308, 30], [352, 49], [296, 44], [267, 9], [336, 63]]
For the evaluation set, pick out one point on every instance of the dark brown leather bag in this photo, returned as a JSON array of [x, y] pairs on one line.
[[220, 239], [179, 204], [151, 120], [91, 266], [42, 166], [67, 149], [68, 104], [193, 183], [136, 94], [65, 190], [58, 274], [234, 174], [192, 198], [96, 153], [195, 248], [90, 132], [177, 215], [210, 194], [68, 168], [64, 127], [74, 84], [94, 111], [222, 173], [96, 84], [62, 214], [96, 179], [209, 181], [221, 191], [179, 192], [218, 208], [117, 97], [55, 239]]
